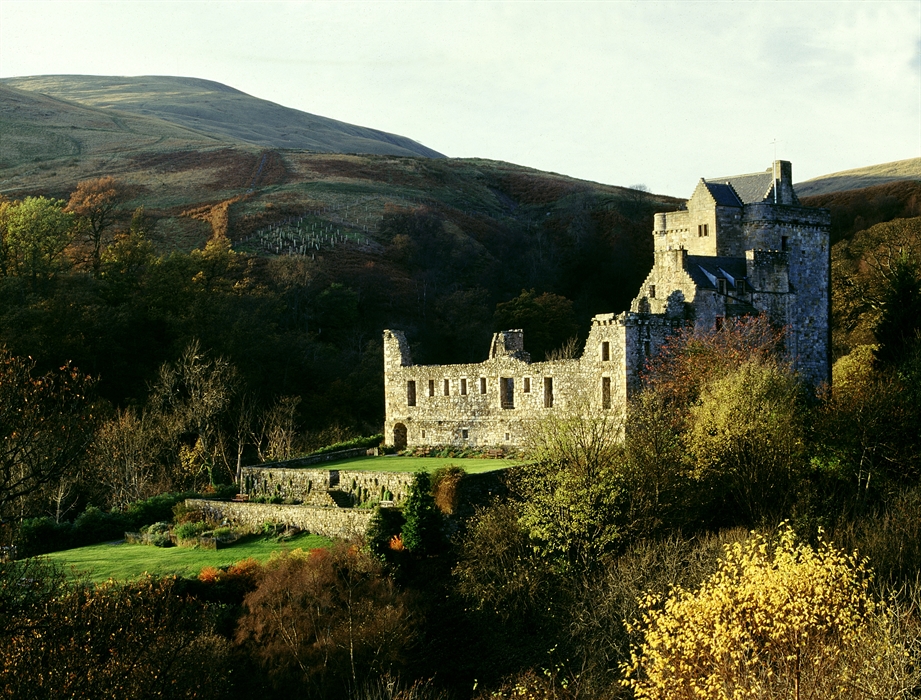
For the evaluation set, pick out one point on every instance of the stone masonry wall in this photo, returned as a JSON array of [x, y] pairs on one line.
[[312, 486], [330, 522], [494, 403]]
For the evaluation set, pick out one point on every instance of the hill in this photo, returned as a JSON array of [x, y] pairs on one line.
[[909, 169], [328, 249], [220, 111]]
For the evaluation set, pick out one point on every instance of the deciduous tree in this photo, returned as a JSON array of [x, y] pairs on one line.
[[325, 622], [96, 204], [572, 495], [745, 438], [35, 233], [46, 425]]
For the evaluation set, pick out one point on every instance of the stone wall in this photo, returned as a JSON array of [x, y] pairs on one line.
[[313, 486], [344, 523], [495, 403]]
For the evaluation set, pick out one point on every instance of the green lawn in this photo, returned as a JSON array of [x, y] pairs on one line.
[[128, 561], [395, 463]]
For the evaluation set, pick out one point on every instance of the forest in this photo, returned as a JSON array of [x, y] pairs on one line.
[[655, 566]]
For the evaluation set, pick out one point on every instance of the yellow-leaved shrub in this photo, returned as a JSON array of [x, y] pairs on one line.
[[774, 621]]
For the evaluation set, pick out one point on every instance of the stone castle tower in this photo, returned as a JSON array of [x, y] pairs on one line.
[[743, 245]]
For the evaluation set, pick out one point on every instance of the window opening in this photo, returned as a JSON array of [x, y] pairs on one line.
[[646, 348], [463, 387], [447, 387], [526, 385], [784, 242], [548, 392], [423, 435], [464, 433], [721, 286], [431, 387], [507, 385], [606, 392], [605, 351], [703, 230], [652, 291], [719, 323], [410, 393], [482, 385]]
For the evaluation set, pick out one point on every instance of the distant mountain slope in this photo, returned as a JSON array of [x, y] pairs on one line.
[[36, 128], [909, 169], [220, 111]]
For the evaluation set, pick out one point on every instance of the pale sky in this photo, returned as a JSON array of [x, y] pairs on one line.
[[620, 92]]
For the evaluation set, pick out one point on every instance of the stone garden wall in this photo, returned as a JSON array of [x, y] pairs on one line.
[[329, 522], [313, 486]]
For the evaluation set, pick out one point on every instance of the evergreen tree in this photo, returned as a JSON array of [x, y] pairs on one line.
[[900, 323], [422, 530]]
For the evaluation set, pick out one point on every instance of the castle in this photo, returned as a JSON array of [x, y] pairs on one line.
[[742, 245]]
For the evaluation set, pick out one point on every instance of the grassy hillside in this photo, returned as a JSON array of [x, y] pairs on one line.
[[909, 169], [220, 111]]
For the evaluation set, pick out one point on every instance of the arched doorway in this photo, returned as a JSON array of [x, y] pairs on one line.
[[399, 436]]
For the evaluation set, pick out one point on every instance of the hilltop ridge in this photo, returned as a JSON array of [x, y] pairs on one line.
[[221, 111]]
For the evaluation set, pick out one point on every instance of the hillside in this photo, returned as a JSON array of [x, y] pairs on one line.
[[330, 248], [909, 169], [220, 111], [430, 245]]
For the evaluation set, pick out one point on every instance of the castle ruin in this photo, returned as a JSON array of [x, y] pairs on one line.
[[742, 245]]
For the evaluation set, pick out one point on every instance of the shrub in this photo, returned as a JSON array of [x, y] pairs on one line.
[[142, 639], [783, 621], [445, 488], [156, 508], [94, 525], [385, 524], [42, 535], [188, 531]]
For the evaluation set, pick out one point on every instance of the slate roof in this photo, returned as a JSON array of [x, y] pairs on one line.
[[753, 188], [702, 267], [723, 194]]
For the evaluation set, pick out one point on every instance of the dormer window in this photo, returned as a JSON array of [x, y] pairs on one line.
[[721, 286], [740, 286]]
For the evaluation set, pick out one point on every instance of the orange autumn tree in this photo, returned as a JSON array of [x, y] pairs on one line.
[[96, 204]]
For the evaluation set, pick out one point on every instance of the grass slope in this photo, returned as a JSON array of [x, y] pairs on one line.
[[909, 169], [221, 111], [123, 562]]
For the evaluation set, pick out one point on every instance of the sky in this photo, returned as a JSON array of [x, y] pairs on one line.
[[619, 92]]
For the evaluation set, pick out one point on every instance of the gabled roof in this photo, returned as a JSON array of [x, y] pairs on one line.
[[750, 189], [706, 269], [724, 195]]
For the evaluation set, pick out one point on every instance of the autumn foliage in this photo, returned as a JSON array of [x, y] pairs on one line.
[[777, 619]]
